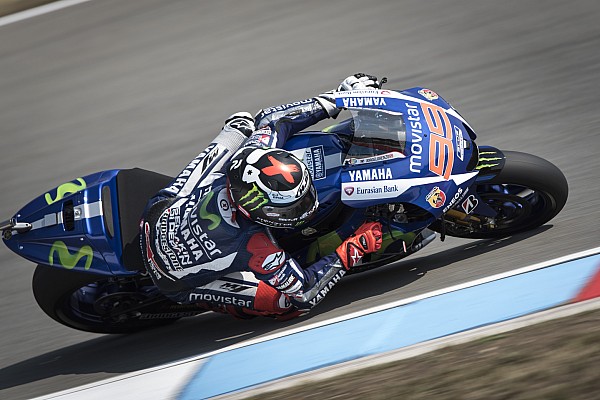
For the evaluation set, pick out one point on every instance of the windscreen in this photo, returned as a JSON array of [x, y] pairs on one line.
[[377, 132]]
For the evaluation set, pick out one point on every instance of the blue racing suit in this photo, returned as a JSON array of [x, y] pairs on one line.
[[197, 249]]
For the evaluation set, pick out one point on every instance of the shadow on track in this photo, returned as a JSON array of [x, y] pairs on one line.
[[402, 273], [118, 354]]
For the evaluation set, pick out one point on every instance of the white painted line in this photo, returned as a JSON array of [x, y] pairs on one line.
[[519, 271], [164, 382], [34, 12], [192, 363]]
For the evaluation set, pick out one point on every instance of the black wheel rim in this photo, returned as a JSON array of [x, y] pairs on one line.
[[518, 208], [102, 302]]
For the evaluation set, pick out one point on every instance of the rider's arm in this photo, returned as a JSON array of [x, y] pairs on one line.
[[306, 287], [277, 124], [238, 131], [200, 172]]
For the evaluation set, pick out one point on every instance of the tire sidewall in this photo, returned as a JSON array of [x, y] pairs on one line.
[[52, 288]]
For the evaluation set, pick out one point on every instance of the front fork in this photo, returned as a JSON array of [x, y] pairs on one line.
[[473, 211]]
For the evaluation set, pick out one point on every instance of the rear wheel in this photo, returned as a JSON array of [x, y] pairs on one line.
[[101, 304], [527, 193]]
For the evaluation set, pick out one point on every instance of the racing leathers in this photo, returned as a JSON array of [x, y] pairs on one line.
[[197, 249]]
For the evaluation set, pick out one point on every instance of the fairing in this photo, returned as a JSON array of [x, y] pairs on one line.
[[431, 169], [74, 226]]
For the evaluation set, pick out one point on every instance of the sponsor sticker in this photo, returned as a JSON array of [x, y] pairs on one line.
[[149, 253], [314, 158], [372, 189], [233, 287], [470, 204], [219, 299], [303, 186], [323, 292], [168, 315], [436, 197], [416, 137], [460, 143], [260, 138], [282, 107], [429, 94], [363, 102], [370, 174], [377, 158], [441, 144], [226, 209], [254, 199], [457, 196], [65, 190], [68, 260]]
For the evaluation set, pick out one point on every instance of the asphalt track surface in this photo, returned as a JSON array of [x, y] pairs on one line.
[[111, 84]]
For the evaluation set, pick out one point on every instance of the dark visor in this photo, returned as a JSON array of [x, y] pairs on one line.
[[295, 210]]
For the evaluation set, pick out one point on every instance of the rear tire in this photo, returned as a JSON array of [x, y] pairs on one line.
[[59, 292]]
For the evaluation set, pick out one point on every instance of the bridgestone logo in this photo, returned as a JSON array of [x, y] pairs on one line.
[[170, 315]]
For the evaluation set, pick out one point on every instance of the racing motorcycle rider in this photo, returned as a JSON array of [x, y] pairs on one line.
[[206, 237]]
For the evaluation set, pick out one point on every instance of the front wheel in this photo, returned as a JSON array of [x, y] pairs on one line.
[[527, 193], [102, 304]]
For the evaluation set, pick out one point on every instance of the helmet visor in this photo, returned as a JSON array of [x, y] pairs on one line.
[[301, 210]]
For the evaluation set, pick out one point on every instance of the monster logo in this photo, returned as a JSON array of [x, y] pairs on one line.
[[489, 161], [66, 189], [254, 197], [68, 260]]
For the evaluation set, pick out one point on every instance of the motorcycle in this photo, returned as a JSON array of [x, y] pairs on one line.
[[405, 158]]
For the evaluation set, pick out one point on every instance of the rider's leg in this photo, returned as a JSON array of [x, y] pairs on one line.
[[239, 294]]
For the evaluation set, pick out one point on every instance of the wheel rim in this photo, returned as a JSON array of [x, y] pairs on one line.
[[518, 208], [102, 302]]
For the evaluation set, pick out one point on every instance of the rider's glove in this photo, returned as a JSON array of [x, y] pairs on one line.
[[359, 81], [241, 121], [366, 239], [353, 82]]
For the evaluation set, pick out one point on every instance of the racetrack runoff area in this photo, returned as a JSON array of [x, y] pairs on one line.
[[406, 328]]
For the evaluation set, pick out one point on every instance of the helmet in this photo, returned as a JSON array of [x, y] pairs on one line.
[[271, 187]]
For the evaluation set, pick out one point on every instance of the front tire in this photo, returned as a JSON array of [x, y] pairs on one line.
[[527, 193]]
